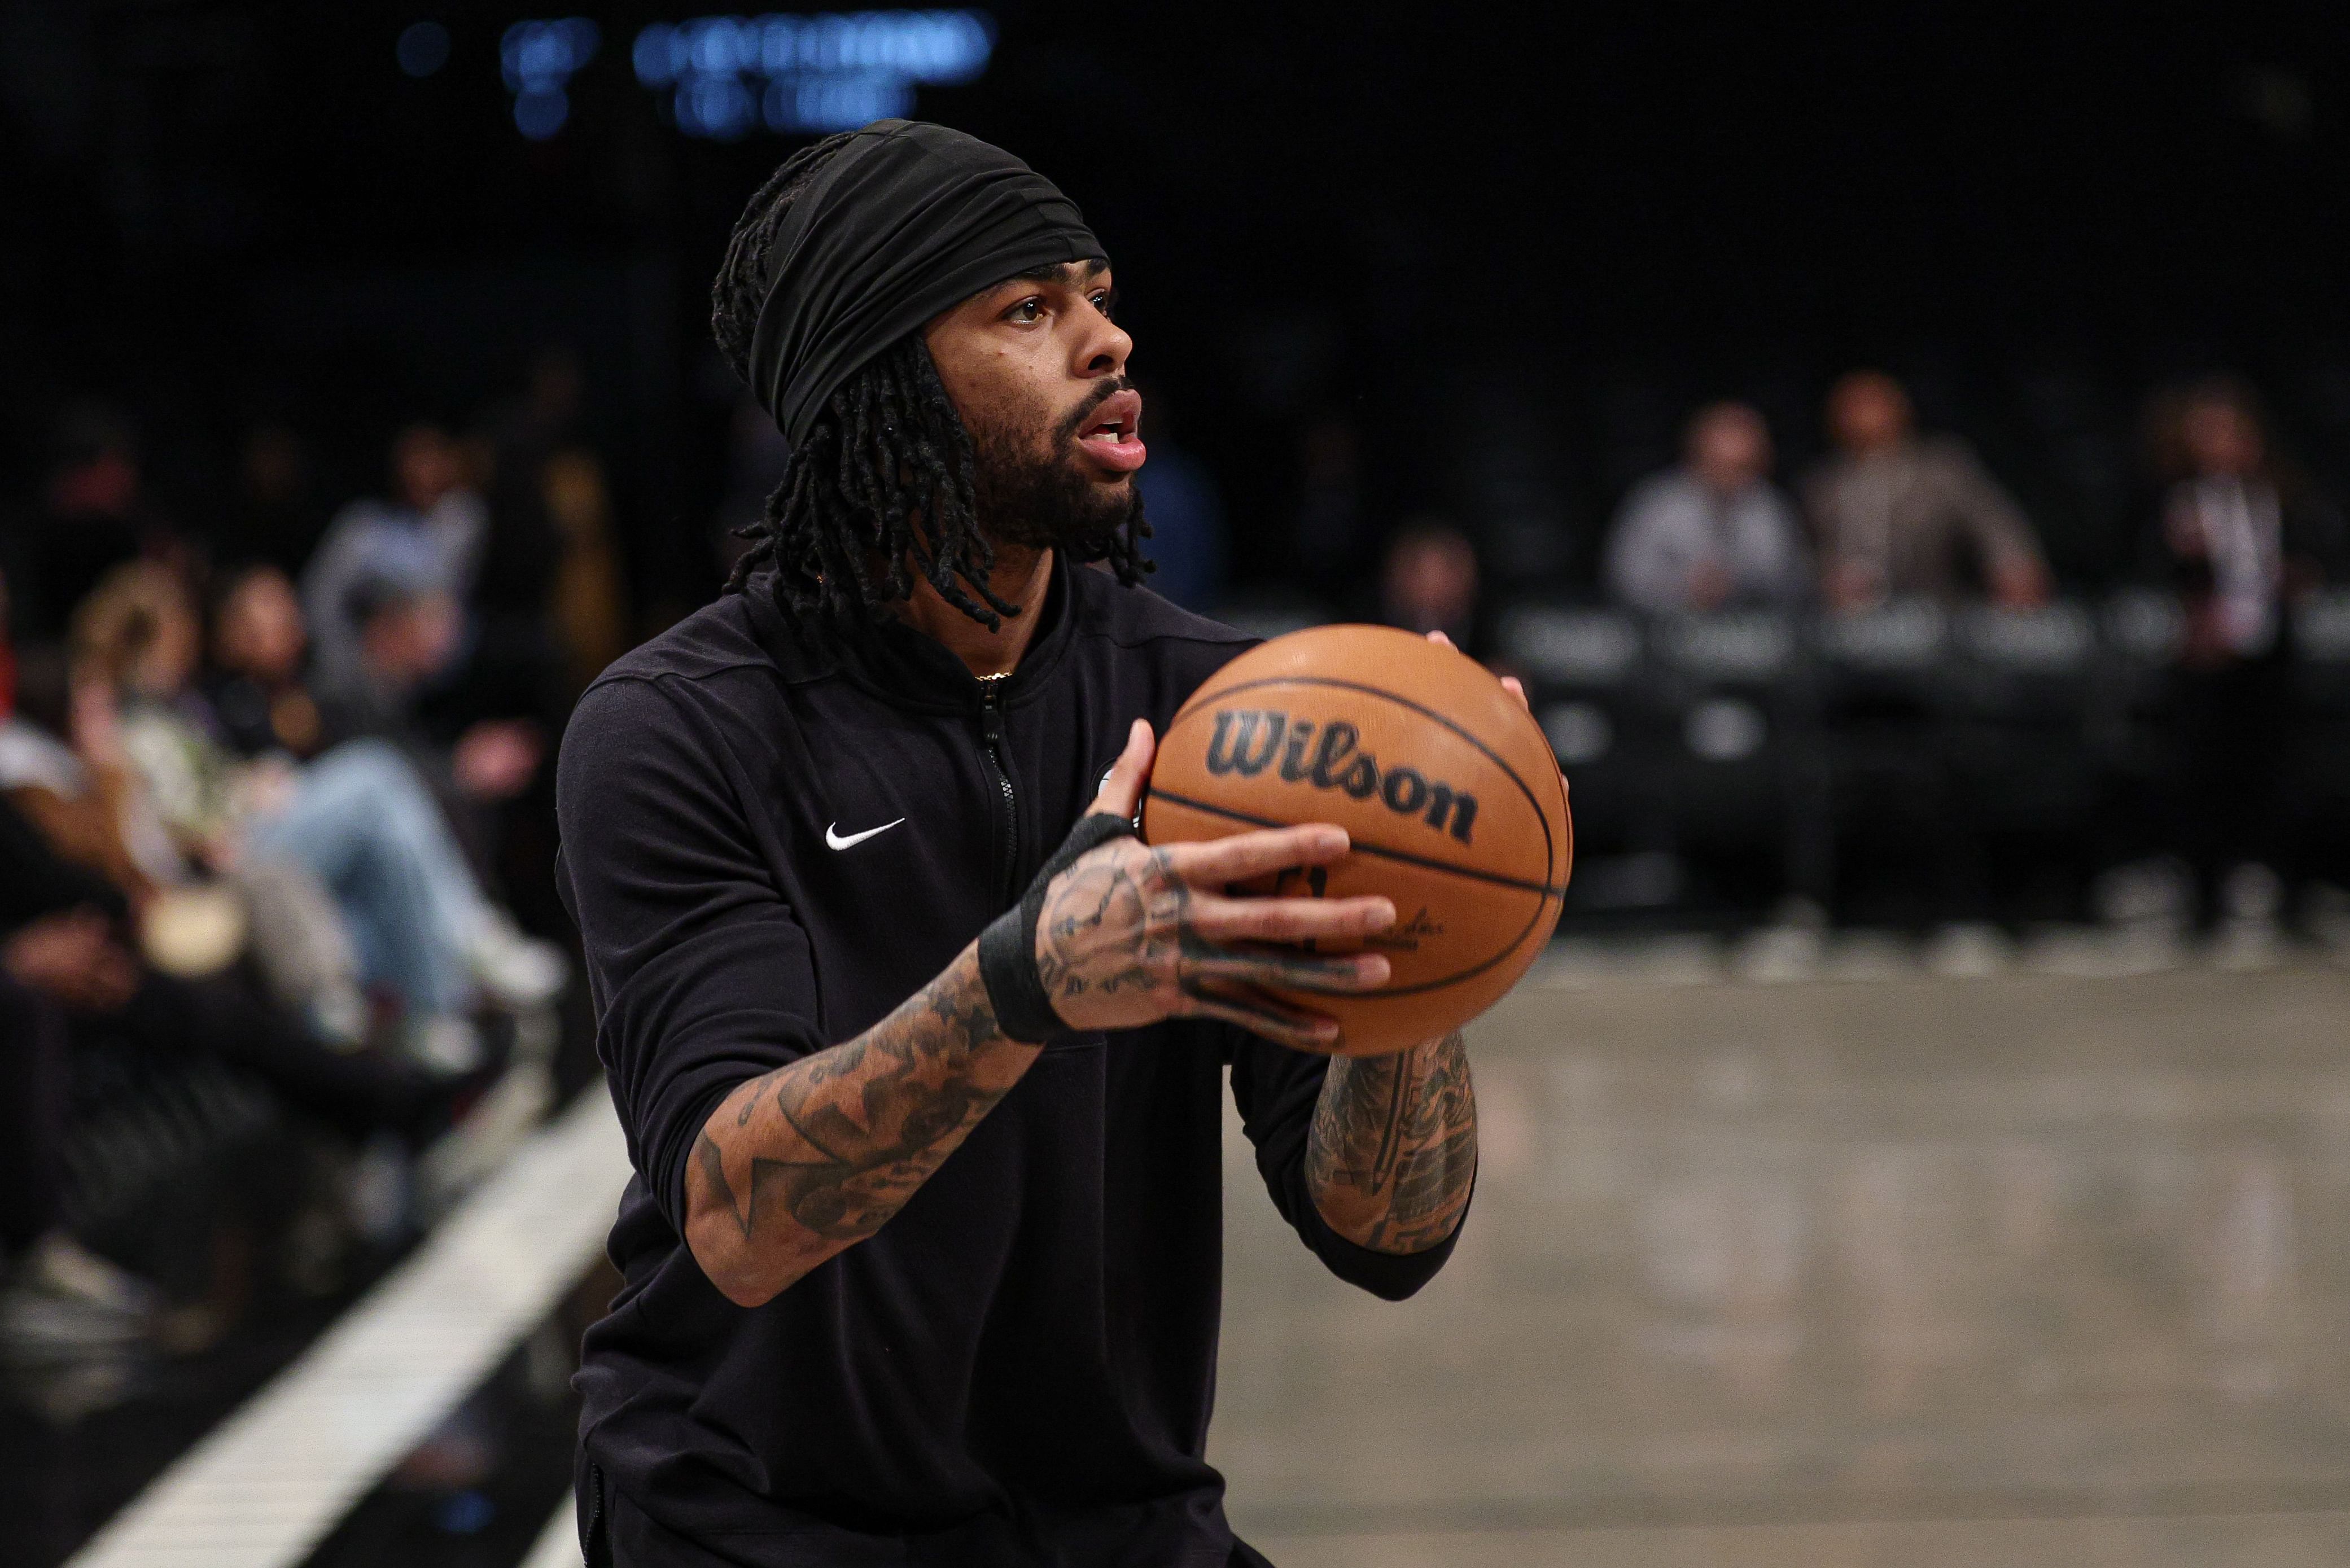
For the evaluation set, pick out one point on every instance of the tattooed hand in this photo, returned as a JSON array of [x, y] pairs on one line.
[[1132, 933]]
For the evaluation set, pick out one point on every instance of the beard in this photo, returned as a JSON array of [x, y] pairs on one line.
[[1032, 490]]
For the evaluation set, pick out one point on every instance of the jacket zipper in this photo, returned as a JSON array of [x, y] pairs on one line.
[[991, 731], [597, 1557]]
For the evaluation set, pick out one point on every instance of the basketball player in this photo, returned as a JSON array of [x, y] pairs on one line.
[[920, 1081]]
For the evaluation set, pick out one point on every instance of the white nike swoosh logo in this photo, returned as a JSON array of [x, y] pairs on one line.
[[835, 841]]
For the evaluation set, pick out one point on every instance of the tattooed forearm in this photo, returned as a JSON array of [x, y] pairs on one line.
[[1394, 1147], [801, 1163]]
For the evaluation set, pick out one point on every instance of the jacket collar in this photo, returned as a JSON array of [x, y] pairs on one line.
[[906, 668]]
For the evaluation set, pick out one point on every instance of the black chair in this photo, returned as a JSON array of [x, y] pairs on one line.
[[2129, 732], [2318, 775], [1586, 677], [2016, 733], [1736, 714], [1887, 835]]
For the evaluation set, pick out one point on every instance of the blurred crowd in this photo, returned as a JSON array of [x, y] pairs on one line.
[[1892, 520], [275, 782], [276, 792]]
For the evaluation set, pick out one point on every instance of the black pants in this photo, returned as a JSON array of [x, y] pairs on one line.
[[33, 1102], [594, 1503], [356, 1093]]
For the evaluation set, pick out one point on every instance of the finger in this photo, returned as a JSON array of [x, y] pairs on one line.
[[1255, 853], [1291, 969], [1121, 791], [1517, 688], [1438, 638], [1221, 919], [1260, 1014]]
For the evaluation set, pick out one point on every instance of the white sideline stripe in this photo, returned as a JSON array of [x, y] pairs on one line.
[[558, 1543], [267, 1485]]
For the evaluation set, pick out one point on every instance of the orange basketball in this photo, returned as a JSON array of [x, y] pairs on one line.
[[1442, 780]]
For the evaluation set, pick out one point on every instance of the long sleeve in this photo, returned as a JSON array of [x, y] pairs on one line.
[[1990, 520], [702, 976], [1275, 1089], [1780, 573], [1651, 549]]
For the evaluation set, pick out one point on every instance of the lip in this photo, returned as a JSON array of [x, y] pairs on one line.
[[1122, 452]]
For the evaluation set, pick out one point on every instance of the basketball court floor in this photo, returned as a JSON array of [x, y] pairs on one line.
[[2047, 1265]]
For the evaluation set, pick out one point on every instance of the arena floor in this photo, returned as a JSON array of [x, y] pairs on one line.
[[2020, 1270], [2049, 1265]]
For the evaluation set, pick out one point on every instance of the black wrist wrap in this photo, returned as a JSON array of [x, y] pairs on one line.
[[1007, 949]]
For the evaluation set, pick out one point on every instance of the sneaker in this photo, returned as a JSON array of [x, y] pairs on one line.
[[515, 972], [63, 1300]]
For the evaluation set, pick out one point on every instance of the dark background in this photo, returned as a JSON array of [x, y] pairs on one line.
[[1514, 245]]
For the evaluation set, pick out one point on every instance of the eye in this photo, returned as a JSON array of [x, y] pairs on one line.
[[1029, 310], [1106, 301]]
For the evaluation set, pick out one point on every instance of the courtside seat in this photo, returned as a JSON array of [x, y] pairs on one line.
[[2319, 772], [2139, 632], [2016, 731], [1588, 679], [1883, 663], [1736, 717], [1888, 838]]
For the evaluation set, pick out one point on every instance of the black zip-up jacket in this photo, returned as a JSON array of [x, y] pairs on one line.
[[770, 844]]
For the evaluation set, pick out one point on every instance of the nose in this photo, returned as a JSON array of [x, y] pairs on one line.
[[1104, 349]]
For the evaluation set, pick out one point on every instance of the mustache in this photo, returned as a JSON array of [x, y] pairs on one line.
[[1067, 430]]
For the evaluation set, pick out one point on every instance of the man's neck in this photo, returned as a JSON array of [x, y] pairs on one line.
[[1022, 577]]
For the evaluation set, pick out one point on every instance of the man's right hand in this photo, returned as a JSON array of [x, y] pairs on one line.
[[1133, 933]]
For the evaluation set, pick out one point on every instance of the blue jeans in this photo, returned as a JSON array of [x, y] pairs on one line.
[[367, 826]]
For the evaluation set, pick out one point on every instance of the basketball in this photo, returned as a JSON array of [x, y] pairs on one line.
[[1444, 781]]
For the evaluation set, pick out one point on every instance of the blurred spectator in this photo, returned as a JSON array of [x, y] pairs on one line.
[[273, 517], [2240, 531], [56, 1297], [1430, 583], [408, 629], [590, 606], [1186, 514], [357, 820], [256, 686], [77, 789], [2240, 535], [1898, 515], [92, 515], [434, 520], [1714, 533], [61, 938]]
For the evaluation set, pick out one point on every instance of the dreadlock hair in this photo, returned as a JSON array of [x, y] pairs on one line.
[[884, 486]]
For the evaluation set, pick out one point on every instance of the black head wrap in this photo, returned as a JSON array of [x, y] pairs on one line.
[[905, 220]]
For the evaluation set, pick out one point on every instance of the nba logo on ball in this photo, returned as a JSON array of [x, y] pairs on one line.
[[1448, 791]]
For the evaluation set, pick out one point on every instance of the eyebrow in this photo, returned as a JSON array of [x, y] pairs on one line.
[[1061, 272]]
